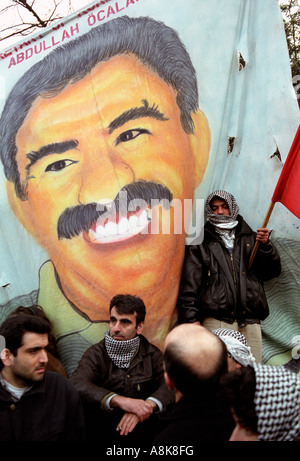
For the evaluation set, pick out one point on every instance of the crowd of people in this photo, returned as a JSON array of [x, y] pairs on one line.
[[208, 382]]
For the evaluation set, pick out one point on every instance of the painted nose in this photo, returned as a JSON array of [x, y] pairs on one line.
[[103, 180]]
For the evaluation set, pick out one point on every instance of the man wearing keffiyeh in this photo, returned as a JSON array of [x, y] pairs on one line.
[[265, 401], [121, 378], [217, 290], [238, 352]]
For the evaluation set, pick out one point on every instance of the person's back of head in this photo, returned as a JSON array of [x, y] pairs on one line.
[[237, 389], [195, 359], [265, 400]]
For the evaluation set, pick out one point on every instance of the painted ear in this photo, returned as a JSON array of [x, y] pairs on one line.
[[200, 142], [21, 208]]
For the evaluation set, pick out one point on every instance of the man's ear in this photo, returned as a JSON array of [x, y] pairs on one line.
[[21, 208], [6, 356], [169, 381], [140, 328], [200, 142]]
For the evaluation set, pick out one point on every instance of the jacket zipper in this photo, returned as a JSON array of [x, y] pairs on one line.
[[233, 272]]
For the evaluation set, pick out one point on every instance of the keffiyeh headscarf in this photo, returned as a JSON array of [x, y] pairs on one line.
[[121, 352], [232, 205], [224, 224], [277, 403], [236, 344]]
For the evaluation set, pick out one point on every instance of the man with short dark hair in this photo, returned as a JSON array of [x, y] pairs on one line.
[[35, 404], [194, 360], [121, 379], [265, 402]]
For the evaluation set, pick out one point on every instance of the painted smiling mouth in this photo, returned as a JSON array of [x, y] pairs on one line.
[[126, 228], [118, 219]]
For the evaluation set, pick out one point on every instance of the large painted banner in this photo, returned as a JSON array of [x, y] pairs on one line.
[[115, 122]]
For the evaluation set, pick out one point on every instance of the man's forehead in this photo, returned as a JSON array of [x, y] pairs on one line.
[[115, 313], [216, 200], [31, 339]]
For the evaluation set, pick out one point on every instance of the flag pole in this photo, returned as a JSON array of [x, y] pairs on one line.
[[266, 220]]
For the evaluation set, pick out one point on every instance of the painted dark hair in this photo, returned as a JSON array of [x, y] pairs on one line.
[[156, 45]]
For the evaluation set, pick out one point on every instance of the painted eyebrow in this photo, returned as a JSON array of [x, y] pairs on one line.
[[55, 148], [135, 113], [132, 114]]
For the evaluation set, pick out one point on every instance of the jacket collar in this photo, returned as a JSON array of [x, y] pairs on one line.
[[37, 388]]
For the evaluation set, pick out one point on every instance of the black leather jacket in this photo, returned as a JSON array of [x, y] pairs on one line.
[[216, 283], [96, 376]]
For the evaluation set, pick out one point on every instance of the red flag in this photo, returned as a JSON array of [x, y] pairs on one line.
[[287, 190]]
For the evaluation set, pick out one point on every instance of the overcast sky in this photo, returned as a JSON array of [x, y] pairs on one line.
[[10, 16]]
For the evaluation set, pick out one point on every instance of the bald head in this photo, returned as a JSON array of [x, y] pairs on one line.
[[194, 357]]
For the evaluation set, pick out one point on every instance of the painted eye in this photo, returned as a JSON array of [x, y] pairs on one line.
[[59, 165], [131, 134]]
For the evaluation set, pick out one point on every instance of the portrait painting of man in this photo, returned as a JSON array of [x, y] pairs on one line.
[[114, 124], [95, 118]]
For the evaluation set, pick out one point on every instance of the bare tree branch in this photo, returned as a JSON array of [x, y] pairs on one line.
[[31, 10], [33, 7]]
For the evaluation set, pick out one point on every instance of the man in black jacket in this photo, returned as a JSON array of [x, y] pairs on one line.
[[35, 405], [121, 378], [217, 290]]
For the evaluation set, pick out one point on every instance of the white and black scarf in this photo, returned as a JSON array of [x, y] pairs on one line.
[[236, 344], [121, 352], [277, 403]]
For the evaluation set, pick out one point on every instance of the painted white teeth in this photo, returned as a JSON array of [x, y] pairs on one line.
[[125, 229], [123, 225]]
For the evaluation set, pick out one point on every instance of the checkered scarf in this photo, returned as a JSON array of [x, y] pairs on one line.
[[236, 344], [231, 202], [224, 224], [277, 403], [121, 352]]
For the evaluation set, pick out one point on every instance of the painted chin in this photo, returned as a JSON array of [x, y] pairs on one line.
[[125, 228]]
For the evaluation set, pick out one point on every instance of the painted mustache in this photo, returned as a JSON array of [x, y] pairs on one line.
[[81, 218]]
